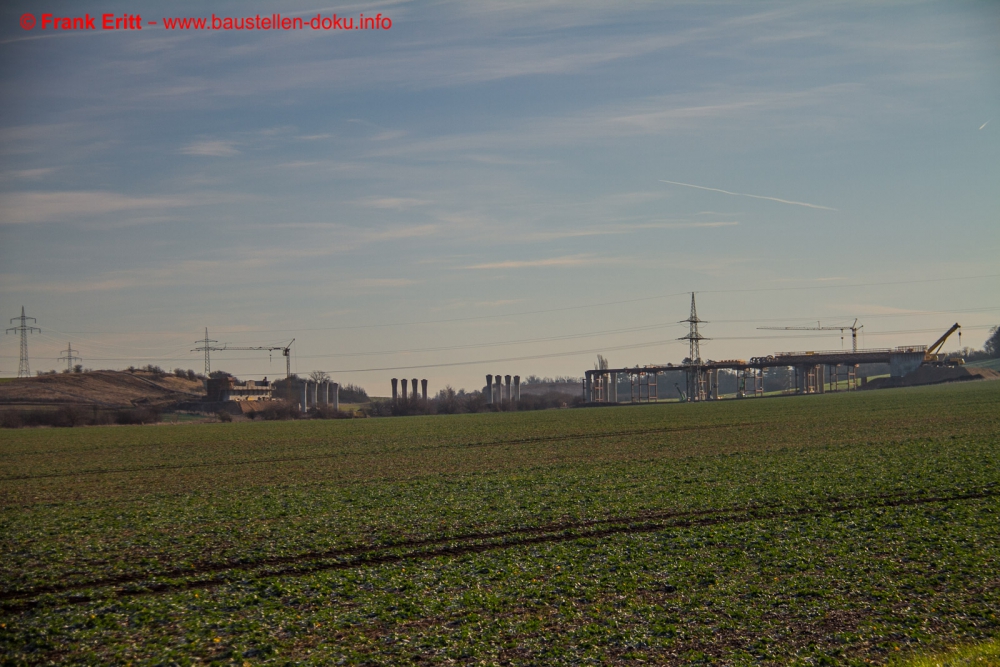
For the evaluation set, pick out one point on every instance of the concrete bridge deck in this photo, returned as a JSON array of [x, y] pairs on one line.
[[814, 371]]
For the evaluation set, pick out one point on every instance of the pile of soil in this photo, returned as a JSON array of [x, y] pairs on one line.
[[101, 388], [934, 375]]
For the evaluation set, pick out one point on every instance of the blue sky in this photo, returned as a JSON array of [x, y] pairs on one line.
[[486, 181]]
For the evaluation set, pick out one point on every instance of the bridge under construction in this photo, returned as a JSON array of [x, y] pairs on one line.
[[814, 372]]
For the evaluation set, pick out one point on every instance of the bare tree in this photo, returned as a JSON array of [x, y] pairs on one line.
[[319, 376]]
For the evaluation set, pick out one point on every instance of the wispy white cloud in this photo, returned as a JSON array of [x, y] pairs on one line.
[[27, 174], [623, 229], [742, 194], [383, 282], [827, 279], [661, 115], [570, 260], [395, 203], [232, 270], [498, 302], [389, 135], [398, 233], [211, 148], [33, 207]]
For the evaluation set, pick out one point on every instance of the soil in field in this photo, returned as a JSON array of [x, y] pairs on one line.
[[847, 528], [934, 375], [100, 388]]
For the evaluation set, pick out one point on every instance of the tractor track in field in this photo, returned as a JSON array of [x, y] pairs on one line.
[[293, 459], [453, 546]]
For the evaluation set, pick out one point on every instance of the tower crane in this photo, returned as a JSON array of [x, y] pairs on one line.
[[286, 351], [852, 327]]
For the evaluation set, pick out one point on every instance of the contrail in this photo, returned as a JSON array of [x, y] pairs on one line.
[[985, 124], [741, 194]]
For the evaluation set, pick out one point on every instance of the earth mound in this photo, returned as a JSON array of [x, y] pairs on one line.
[[934, 375], [100, 388]]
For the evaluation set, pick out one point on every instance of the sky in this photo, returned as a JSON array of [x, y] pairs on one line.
[[497, 187]]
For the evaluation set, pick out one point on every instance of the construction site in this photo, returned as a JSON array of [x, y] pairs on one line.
[[693, 380], [811, 372]]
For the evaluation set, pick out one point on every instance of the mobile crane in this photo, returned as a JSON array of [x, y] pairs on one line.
[[932, 356]]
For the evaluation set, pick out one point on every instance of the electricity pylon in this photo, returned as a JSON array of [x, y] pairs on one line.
[[24, 330], [693, 337], [69, 357], [206, 346]]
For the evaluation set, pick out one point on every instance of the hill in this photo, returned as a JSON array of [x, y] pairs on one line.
[[100, 388], [934, 375], [992, 364]]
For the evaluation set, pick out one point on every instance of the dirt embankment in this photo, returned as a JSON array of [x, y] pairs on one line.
[[934, 375], [100, 388]]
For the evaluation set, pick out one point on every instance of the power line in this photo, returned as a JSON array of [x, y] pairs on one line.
[[915, 313], [491, 361], [593, 351], [625, 301], [469, 346], [591, 305], [760, 337]]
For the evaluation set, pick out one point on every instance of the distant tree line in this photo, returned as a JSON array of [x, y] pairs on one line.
[[991, 348], [68, 416], [448, 401], [559, 379]]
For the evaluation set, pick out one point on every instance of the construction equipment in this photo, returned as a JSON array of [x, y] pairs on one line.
[[679, 391], [852, 327], [931, 356], [285, 351]]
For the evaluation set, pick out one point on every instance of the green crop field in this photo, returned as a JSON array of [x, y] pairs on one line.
[[849, 528]]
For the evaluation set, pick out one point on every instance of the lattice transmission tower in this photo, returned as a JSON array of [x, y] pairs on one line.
[[206, 345], [22, 368], [693, 337], [69, 357]]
